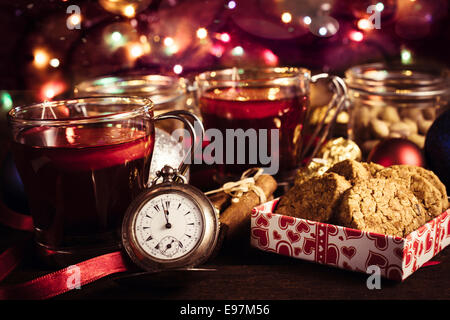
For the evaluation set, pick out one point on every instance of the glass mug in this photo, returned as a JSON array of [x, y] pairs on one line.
[[267, 98], [82, 161]]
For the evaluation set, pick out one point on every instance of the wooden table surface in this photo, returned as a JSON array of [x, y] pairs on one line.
[[246, 273]]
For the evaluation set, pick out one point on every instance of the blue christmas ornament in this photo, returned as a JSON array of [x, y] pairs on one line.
[[437, 148], [11, 186]]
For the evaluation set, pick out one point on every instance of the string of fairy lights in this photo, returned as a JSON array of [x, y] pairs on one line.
[[217, 44]]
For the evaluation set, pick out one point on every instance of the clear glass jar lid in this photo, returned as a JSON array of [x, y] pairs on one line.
[[398, 81], [159, 88]]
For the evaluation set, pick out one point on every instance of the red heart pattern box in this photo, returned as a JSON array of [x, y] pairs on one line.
[[346, 248]]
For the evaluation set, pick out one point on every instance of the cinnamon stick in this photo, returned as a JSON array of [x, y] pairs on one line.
[[220, 200], [236, 217]]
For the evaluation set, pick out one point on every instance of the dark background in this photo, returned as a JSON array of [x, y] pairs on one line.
[[421, 27]]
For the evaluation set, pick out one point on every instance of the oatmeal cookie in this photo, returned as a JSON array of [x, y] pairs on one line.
[[351, 170], [425, 185], [382, 206], [372, 167], [315, 199]]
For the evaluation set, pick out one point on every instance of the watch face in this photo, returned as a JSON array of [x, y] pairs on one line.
[[169, 226]]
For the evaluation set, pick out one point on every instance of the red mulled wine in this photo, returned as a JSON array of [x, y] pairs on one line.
[[80, 180], [257, 108]]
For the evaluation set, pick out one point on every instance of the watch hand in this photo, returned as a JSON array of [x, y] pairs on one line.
[[166, 215], [168, 246]]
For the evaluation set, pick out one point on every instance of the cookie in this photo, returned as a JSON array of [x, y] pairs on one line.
[[351, 170], [435, 181], [372, 167], [381, 206], [316, 199], [425, 185]]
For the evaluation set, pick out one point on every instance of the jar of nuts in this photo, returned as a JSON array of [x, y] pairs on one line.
[[394, 101]]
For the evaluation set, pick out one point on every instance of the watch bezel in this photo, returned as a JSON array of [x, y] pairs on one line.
[[202, 250]]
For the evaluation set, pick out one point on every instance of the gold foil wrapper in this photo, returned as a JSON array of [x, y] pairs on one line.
[[334, 151], [316, 167], [339, 149]]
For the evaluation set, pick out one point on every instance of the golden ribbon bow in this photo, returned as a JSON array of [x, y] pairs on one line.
[[247, 183]]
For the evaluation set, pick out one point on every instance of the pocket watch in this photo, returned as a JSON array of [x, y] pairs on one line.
[[170, 225]]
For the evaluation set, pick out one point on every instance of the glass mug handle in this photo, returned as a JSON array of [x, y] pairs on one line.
[[338, 102], [183, 115]]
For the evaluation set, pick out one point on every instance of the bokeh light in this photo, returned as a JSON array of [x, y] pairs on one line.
[[202, 33], [237, 51], [356, 36], [129, 11], [74, 20], [270, 58], [307, 20], [217, 50], [116, 36], [324, 26], [41, 58], [225, 37], [6, 101], [168, 41], [177, 69], [406, 56], [273, 19], [364, 24], [322, 31], [231, 5], [379, 6], [126, 8], [54, 62], [286, 17], [136, 50], [51, 89]]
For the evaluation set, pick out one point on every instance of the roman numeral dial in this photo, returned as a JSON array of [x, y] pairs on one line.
[[169, 226]]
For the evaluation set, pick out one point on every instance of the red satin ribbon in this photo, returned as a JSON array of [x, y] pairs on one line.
[[11, 258], [15, 220], [57, 282], [430, 263], [69, 278]]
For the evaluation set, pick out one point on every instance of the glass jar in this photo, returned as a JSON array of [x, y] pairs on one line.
[[167, 94], [399, 101]]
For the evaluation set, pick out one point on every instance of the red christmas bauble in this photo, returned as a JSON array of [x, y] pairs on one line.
[[397, 151]]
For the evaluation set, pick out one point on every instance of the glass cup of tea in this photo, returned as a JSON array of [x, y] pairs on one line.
[[260, 115], [82, 161]]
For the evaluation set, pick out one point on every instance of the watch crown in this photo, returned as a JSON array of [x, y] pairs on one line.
[[167, 171], [169, 174]]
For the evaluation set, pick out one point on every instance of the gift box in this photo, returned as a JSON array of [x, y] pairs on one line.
[[346, 248]]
